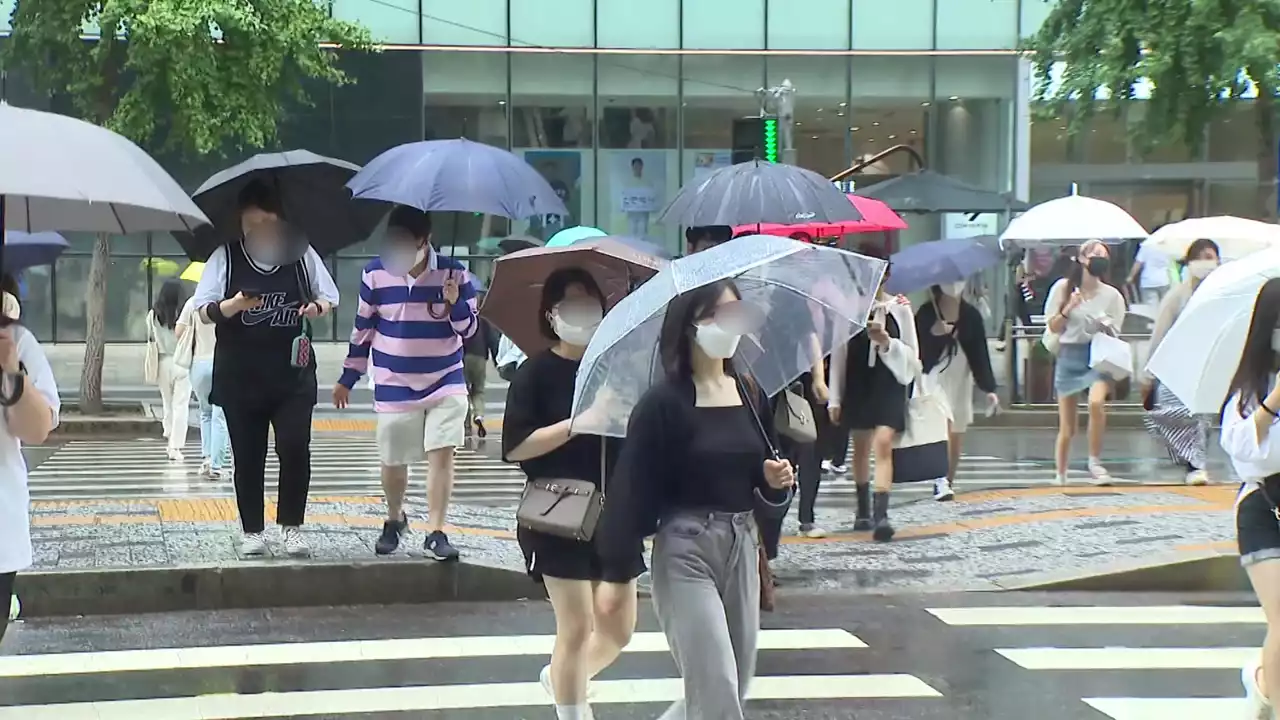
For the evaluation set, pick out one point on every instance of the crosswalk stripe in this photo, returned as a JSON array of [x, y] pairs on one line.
[[1126, 658], [458, 697], [18, 666], [1087, 615], [1168, 708]]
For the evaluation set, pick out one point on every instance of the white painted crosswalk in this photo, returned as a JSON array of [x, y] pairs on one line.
[[105, 685], [1198, 647]]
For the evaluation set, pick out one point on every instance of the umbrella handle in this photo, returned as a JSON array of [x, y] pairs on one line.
[[448, 306]]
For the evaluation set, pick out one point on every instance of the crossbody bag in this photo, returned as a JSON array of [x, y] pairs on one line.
[[564, 507]]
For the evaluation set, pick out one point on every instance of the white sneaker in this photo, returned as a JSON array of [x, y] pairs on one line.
[[942, 491], [225, 474], [812, 531], [294, 543], [839, 469], [174, 455], [1197, 477], [1255, 700], [253, 545], [1098, 474], [206, 468], [1060, 480], [544, 678]]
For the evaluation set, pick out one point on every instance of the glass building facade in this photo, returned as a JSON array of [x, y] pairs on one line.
[[617, 102]]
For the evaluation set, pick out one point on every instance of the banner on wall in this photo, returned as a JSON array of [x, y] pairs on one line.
[[562, 169], [967, 225], [707, 162], [637, 191]]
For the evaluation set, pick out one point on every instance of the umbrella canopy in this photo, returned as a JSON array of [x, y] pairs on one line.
[[801, 292], [516, 289], [25, 250], [938, 263], [509, 244], [1236, 237], [1071, 220], [193, 273], [458, 176], [66, 175], [759, 192], [1198, 356], [926, 191], [312, 191], [876, 217], [569, 236], [644, 246]]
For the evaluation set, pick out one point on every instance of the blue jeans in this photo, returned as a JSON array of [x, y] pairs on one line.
[[215, 443]]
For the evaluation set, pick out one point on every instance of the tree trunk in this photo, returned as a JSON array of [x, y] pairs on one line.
[[95, 329], [1264, 112]]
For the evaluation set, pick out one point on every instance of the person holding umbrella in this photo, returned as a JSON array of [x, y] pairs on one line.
[[416, 309], [261, 293]]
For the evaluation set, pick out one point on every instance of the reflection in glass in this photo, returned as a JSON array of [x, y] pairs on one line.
[[127, 299]]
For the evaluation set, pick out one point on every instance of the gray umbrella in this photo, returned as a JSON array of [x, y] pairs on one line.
[[759, 192], [926, 191], [65, 175]]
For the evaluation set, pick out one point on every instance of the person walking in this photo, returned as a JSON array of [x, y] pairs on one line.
[[1167, 417], [476, 352], [174, 381], [1252, 443], [870, 380], [594, 601], [26, 380], [1080, 306], [415, 310], [260, 294], [215, 443], [696, 462], [954, 358], [1151, 275]]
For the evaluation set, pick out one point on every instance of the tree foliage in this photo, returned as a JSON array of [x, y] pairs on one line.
[[185, 76], [1197, 54]]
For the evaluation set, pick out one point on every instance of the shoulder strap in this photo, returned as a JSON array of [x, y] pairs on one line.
[[304, 279], [749, 398]]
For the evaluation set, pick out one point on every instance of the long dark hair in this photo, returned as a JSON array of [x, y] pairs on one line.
[[168, 303], [675, 342], [554, 289], [1258, 361]]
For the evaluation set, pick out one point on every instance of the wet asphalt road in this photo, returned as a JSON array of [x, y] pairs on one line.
[[914, 645]]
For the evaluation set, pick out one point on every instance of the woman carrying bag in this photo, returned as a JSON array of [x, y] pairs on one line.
[[174, 382], [195, 353]]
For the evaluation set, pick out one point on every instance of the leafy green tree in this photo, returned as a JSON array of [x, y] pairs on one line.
[[185, 77], [1200, 57]]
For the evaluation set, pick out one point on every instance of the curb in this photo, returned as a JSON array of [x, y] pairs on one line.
[[1204, 572], [255, 585]]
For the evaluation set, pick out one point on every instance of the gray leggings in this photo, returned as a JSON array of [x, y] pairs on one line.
[[706, 592]]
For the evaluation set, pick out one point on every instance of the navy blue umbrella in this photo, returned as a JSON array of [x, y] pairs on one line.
[[938, 263], [458, 176], [25, 250]]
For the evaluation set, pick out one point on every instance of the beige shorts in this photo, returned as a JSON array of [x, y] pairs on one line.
[[404, 438]]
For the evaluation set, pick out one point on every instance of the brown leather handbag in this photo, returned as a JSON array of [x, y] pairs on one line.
[[768, 592], [564, 508]]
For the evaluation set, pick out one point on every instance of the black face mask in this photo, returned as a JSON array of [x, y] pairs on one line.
[[1098, 267]]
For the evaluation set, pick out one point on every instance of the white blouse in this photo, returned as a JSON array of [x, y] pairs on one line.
[[1252, 460], [902, 357]]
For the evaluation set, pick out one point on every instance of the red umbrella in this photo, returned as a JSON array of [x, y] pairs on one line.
[[876, 217]]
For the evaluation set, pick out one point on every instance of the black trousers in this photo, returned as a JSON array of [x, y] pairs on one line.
[[248, 423], [6, 599]]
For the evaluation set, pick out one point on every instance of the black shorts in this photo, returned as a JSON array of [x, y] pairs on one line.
[[556, 557], [1257, 528], [6, 599]]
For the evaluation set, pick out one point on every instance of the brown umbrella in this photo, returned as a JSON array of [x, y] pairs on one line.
[[516, 289]]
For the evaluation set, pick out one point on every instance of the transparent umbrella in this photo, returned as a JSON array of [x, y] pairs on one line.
[[811, 298]]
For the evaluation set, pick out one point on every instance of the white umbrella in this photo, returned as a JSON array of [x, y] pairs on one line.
[[62, 174], [1236, 237], [1070, 220], [1199, 354]]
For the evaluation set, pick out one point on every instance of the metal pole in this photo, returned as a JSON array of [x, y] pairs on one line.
[[785, 95]]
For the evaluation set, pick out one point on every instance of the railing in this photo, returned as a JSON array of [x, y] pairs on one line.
[[1029, 369]]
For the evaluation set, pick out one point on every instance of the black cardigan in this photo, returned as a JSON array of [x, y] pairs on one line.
[[971, 335], [655, 462]]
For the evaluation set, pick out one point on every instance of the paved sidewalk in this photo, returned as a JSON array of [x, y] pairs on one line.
[[986, 540]]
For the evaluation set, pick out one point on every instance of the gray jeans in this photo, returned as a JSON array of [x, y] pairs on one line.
[[706, 592]]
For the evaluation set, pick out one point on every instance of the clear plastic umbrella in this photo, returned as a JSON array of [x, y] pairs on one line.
[[812, 298]]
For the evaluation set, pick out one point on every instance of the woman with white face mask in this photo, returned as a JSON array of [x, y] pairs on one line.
[[1167, 418], [594, 600], [953, 352]]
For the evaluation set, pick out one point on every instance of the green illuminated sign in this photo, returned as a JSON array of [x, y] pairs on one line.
[[771, 140]]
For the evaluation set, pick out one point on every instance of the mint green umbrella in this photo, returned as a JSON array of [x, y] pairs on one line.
[[569, 236]]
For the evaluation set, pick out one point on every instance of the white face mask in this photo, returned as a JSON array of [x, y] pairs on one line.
[[715, 341], [955, 289], [400, 261], [578, 332], [1200, 268]]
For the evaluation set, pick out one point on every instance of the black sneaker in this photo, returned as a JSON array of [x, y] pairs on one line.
[[481, 431], [392, 531], [437, 547]]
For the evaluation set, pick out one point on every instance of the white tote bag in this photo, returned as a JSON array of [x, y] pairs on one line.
[[1111, 356], [921, 452], [184, 353], [151, 362]]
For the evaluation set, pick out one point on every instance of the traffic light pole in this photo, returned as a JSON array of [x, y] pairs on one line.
[[779, 101]]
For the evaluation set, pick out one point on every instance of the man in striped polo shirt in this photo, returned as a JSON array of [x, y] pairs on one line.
[[416, 308]]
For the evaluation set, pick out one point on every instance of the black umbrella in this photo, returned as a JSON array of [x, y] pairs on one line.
[[312, 188], [759, 192], [926, 191]]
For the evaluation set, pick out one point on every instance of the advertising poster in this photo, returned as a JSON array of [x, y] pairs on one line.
[[707, 162], [563, 170], [637, 191]]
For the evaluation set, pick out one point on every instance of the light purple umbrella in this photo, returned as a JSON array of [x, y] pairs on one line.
[[24, 250]]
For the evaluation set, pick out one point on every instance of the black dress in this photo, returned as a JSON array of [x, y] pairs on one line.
[[541, 394], [872, 396]]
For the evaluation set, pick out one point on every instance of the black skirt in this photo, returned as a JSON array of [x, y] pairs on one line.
[[872, 396], [552, 556]]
